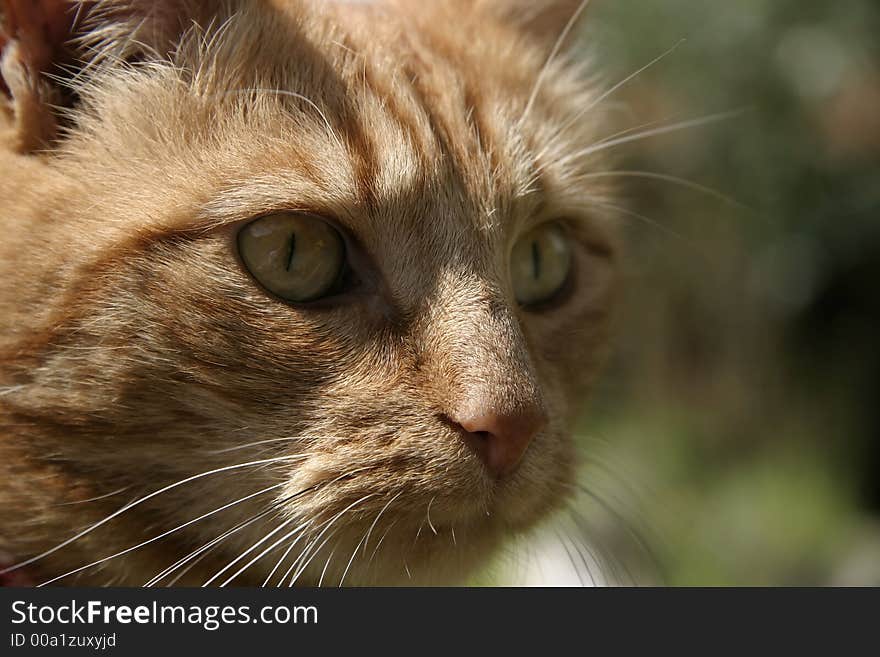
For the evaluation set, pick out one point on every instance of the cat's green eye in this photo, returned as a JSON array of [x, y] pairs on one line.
[[298, 257], [540, 264]]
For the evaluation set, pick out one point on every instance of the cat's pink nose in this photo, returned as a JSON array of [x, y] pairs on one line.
[[501, 439]]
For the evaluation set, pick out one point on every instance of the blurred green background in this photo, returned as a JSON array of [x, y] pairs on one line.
[[735, 439]]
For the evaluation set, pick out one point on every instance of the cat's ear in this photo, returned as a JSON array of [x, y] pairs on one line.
[[44, 40], [33, 38], [545, 21], [143, 28]]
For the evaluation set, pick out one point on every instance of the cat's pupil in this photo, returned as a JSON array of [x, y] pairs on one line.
[[291, 250], [536, 261]]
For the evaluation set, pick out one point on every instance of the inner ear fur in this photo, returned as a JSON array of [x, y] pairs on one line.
[[542, 21], [34, 37], [42, 42]]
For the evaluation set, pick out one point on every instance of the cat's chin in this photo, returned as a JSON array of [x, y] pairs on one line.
[[432, 547], [449, 557]]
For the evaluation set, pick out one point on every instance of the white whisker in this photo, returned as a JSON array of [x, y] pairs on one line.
[[293, 532], [288, 439], [326, 564], [95, 499], [428, 513], [551, 58], [351, 560], [204, 549], [653, 223], [306, 557], [675, 127], [163, 534], [620, 133], [194, 562], [370, 530], [571, 559], [137, 502], [683, 182], [317, 538], [381, 540], [605, 95], [282, 559], [241, 556]]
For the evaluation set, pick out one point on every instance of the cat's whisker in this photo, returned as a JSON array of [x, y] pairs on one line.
[[569, 536], [571, 560], [381, 540], [305, 557], [131, 505], [612, 90], [640, 540], [551, 58], [666, 129], [182, 566], [307, 549], [675, 180], [369, 531], [526, 555], [282, 559], [610, 564], [253, 547], [378, 516], [565, 546], [590, 560], [351, 560], [329, 524], [97, 498], [596, 566], [542, 165], [313, 554], [428, 516], [647, 220], [346, 48], [165, 534], [287, 439], [258, 516], [633, 508], [294, 543], [207, 547], [277, 503], [606, 467], [326, 565], [193, 563]]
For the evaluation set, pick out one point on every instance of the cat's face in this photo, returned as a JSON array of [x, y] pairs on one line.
[[401, 398]]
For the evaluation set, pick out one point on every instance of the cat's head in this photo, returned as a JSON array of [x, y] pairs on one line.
[[343, 256]]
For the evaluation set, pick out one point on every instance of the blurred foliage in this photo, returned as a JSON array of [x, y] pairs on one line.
[[739, 419]]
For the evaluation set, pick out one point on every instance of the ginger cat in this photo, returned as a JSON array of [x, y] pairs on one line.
[[292, 292]]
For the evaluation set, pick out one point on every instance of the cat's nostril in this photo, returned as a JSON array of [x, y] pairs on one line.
[[501, 439]]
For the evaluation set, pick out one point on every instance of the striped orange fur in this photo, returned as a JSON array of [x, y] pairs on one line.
[[135, 352]]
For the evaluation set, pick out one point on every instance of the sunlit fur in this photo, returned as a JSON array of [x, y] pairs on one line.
[[136, 352]]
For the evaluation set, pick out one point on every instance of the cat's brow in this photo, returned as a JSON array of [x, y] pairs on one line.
[[258, 197]]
